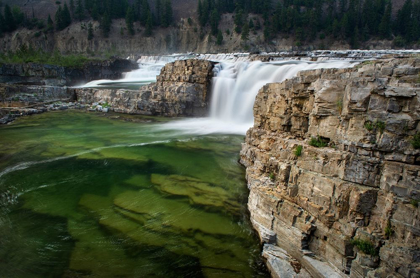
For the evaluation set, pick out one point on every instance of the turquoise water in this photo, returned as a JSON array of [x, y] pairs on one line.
[[88, 195]]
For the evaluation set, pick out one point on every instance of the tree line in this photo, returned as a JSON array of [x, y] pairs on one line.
[[353, 20], [104, 11]]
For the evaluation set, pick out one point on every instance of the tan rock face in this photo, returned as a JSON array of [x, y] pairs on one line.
[[364, 184], [182, 89]]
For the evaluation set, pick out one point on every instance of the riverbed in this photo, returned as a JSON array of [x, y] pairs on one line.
[[88, 195]]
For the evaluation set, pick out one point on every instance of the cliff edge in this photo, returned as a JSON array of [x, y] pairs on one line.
[[333, 168]]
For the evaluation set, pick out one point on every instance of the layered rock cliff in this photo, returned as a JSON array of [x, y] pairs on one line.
[[333, 168], [181, 89], [52, 75]]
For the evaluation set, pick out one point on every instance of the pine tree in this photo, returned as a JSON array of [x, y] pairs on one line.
[[2, 25], [95, 10], [149, 25], [90, 31], [385, 25], [59, 19], [245, 32], [129, 20], [145, 11], [79, 13], [72, 7], [168, 13], [105, 25], [9, 20], [66, 16], [238, 21], [214, 21], [159, 12], [50, 24], [219, 40]]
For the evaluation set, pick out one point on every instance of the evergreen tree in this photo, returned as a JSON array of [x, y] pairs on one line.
[[149, 25], [385, 25], [2, 24], [59, 19], [214, 21], [105, 25], [66, 16], [90, 31], [129, 20], [159, 12], [72, 7], [251, 24], [95, 10], [145, 11], [238, 21], [168, 13], [50, 24], [245, 32], [219, 40], [9, 20], [79, 13]]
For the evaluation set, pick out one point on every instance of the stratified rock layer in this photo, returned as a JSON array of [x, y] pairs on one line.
[[365, 184], [182, 89]]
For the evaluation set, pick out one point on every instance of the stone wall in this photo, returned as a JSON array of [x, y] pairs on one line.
[[181, 89], [364, 185]]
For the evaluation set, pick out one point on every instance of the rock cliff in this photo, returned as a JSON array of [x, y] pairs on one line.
[[333, 168], [51, 75], [181, 89]]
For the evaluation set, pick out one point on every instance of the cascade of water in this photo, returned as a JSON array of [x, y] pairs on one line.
[[234, 89]]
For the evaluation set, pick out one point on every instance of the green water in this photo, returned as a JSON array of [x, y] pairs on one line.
[[83, 195]]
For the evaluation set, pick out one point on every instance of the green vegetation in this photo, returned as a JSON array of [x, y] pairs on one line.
[[29, 55], [317, 142], [416, 141], [272, 176], [298, 151], [414, 203], [388, 230], [380, 126], [365, 246], [339, 106]]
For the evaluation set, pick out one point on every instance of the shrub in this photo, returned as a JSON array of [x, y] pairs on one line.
[[416, 141], [380, 125], [414, 203], [365, 246], [317, 142], [339, 106], [388, 230], [298, 150], [368, 125], [272, 176]]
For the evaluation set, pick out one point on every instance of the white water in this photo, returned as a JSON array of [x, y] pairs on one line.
[[234, 90]]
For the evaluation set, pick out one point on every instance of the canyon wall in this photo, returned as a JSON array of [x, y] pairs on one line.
[[181, 89], [333, 168], [52, 75]]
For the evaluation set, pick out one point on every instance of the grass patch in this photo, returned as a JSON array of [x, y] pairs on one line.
[[317, 142], [416, 141], [378, 125], [365, 246], [29, 55], [272, 176], [414, 203], [339, 106], [369, 125], [388, 230], [298, 151]]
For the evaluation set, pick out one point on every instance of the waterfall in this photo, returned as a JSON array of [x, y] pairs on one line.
[[234, 89]]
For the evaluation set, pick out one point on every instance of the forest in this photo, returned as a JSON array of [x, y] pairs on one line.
[[354, 21]]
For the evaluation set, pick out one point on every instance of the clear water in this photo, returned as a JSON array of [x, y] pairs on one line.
[[84, 195]]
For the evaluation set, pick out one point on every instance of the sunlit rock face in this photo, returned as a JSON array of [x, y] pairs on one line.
[[362, 185], [181, 89]]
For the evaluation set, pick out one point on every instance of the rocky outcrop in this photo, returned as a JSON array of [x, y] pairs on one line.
[[51, 75], [182, 89], [333, 168]]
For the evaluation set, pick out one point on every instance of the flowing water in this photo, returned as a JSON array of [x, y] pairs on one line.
[[83, 195]]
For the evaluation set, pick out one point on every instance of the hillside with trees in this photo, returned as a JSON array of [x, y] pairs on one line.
[[256, 23]]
